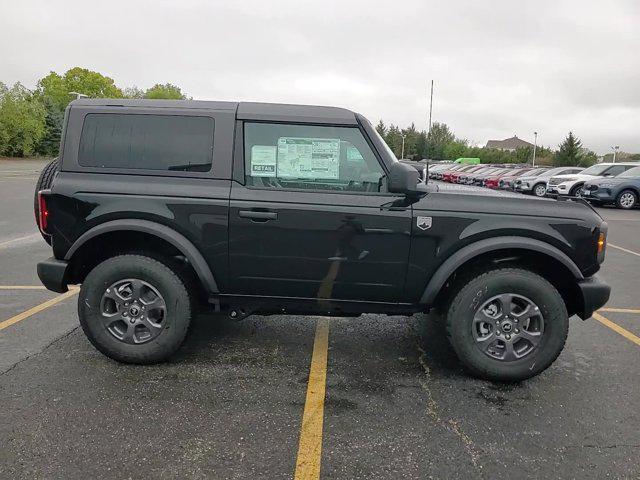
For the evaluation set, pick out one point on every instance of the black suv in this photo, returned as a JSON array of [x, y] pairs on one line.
[[161, 208]]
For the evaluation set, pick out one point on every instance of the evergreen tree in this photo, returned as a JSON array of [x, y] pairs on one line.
[[381, 128], [569, 153], [50, 143]]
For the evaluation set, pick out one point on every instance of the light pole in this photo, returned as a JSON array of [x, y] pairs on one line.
[[79, 95], [615, 150], [403, 137], [535, 145]]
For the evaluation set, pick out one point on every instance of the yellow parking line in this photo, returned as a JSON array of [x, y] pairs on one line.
[[37, 308], [22, 287], [617, 328], [310, 447], [624, 249], [619, 310]]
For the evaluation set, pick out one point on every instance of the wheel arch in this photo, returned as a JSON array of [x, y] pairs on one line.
[[537, 255], [165, 236]]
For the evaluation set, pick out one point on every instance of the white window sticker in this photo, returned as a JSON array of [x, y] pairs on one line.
[[263, 161], [309, 158]]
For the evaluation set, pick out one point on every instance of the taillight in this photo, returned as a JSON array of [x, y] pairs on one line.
[[43, 211], [601, 242]]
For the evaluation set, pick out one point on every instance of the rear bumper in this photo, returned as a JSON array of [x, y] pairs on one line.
[[52, 273], [595, 293]]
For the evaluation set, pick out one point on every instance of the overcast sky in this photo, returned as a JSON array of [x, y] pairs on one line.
[[500, 67]]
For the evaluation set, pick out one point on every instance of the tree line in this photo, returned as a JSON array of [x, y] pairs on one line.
[[31, 123], [440, 143], [31, 120]]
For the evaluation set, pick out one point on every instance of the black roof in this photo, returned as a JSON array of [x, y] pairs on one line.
[[245, 110]]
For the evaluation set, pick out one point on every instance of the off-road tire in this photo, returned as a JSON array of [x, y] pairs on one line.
[[44, 182], [473, 293], [626, 205], [164, 279]]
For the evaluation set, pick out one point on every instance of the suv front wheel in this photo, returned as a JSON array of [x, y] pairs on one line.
[[134, 309], [508, 324]]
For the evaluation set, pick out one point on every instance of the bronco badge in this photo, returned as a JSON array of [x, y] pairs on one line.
[[424, 223]]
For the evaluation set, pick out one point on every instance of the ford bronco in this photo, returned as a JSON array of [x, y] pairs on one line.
[[160, 209]]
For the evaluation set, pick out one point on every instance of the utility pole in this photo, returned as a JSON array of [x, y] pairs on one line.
[[535, 145], [615, 150], [430, 106], [403, 137]]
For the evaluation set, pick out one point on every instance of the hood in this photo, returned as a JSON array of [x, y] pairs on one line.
[[578, 176], [496, 205]]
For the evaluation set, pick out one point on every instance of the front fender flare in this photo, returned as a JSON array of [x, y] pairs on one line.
[[480, 247], [176, 239]]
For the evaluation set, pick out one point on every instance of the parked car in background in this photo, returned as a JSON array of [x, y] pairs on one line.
[[493, 180], [572, 184], [536, 182], [623, 190], [435, 169], [455, 177], [478, 177], [467, 177], [448, 175], [506, 182]]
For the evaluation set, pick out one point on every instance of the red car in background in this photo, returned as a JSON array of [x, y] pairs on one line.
[[455, 177], [506, 182], [446, 176], [493, 180]]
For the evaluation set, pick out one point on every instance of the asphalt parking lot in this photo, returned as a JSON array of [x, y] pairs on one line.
[[394, 400]]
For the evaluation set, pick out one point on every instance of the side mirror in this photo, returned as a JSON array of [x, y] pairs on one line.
[[404, 179]]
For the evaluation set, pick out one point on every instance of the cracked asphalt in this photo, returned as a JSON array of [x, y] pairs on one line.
[[230, 404]]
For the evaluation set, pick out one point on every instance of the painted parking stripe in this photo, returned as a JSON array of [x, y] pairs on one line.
[[619, 310], [28, 238], [617, 328], [623, 249], [22, 287], [310, 447], [38, 308]]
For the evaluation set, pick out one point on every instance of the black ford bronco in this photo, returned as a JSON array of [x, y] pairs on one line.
[[163, 208]]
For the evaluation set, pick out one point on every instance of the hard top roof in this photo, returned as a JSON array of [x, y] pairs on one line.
[[244, 110]]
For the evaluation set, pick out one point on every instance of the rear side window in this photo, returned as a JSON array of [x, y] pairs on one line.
[[149, 142]]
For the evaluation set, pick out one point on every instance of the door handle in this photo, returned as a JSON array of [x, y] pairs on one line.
[[258, 216]]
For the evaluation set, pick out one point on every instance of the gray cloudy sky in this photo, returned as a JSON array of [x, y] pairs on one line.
[[500, 67]]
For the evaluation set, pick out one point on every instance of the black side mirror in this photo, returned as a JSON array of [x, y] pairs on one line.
[[403, 179]]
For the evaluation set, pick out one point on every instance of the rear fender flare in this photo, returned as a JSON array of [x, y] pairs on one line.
[[171, 236], [480, 247]]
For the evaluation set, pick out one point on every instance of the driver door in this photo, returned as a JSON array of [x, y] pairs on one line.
[[313, 219]]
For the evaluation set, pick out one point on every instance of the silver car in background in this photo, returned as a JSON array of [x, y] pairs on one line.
[[537, 184]]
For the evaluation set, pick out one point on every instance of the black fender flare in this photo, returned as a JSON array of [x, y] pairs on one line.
[[480, 247], [176, 239]]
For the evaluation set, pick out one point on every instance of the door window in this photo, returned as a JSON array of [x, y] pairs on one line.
[[615, 170], [310, 157]]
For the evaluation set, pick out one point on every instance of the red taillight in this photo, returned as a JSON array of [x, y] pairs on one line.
[[43, 212]]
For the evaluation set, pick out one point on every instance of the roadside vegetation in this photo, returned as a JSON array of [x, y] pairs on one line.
[[31, 124]]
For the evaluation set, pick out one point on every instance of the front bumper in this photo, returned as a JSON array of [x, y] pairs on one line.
[[601, 195], [52, 273], [595, 293]]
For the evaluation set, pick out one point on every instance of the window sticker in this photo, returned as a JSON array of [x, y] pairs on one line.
[[308, 158], [353, 154], [263, 161]]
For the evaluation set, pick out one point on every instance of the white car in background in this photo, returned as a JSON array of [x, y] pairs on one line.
[[537, 184], [571, 184]]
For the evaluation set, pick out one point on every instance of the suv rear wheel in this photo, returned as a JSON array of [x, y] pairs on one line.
[[507, 325], [134, 309], [627, 199]]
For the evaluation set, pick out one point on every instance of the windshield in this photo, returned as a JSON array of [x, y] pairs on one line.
[[595, 170], [535, 173], [631, 173]]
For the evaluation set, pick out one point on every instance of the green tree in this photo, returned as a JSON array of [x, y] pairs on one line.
[[133, 92], [166, 91], [80, 80], [381, 128], [22, 121], [49, 145], [570, 152], [439, 136]]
